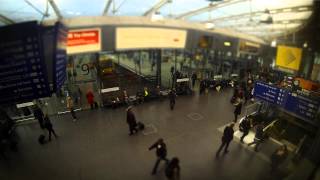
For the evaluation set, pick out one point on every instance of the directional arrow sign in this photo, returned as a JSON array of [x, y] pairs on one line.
[[288, 57]]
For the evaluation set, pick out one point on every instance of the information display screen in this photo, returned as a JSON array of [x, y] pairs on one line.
[[60, 66], [270, 93], [143, 38], [23, 75], [297, 104]]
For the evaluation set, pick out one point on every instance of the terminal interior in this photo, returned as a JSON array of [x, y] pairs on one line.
[[183, 68]]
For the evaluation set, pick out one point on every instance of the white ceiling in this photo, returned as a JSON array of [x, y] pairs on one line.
[[241, 15]]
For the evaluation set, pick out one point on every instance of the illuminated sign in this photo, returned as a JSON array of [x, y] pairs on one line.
[[84, 40], [139, 38], [289, 57]]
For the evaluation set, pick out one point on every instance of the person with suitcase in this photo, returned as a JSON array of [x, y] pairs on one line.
[[131, 120], [48, 126], [38, 114], [161, 153]]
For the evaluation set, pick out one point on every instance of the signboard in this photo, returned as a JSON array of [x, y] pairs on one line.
[[139, 38], [289, 57], [23, 75], [84, 40], [299, 105], [269, 93], [302, 106], [60, 56], [248, 47]]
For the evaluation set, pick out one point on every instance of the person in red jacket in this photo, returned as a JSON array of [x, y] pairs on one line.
[[90, 98]]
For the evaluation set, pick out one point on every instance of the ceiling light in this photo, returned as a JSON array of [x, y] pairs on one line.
[[156, 17], [305, 44], [209, 25], [287, 10], [302, 8], [274, 43], [227, 43]]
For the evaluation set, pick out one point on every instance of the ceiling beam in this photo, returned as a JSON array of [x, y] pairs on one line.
[[244, 24], [212, 6], [6, 20], [296, 9], [55, 9], [107, 7], [156, 7]]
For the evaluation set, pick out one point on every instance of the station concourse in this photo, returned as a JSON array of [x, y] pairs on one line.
[[164, 89]]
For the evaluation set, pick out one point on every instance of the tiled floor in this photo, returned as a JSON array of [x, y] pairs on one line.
[[98, 146]]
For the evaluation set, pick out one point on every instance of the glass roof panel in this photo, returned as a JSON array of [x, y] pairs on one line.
[[132, 7], [71, 8]]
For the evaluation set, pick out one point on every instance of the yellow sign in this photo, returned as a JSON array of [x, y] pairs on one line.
[[289, 57], [145, 37]]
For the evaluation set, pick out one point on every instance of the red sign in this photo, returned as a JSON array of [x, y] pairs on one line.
[[83, 40], [79, 38]]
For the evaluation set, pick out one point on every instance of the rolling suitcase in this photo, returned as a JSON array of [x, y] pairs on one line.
[[42, 139], [140, 126]]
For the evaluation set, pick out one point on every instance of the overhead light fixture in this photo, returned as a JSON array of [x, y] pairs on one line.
[[209, 25], [156, 17], [227, 43], [274, 43], [305, 44], [303, 9], [287, 10]]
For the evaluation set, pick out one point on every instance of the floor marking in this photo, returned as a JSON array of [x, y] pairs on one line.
[[152, 130], [195, 116]]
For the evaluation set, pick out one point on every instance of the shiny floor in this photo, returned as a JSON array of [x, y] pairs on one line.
[[97, 146]]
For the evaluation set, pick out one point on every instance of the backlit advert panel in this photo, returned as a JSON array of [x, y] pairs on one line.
[[84, 40], [144, 38]]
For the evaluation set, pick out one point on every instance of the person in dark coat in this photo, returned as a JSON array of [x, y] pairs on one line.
[[161, 153], [258, 138], [244, 127], [226, 138], [173, 169], [279, 155], [193, 78], [172, 97], [38, 114], [237, 110], [131, 120], [48, 126]]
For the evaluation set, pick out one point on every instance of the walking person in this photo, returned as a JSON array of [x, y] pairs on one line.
[[70, 106], [90, 98], [172, 97], [48, 126], [161, 153], [173, 169], [279, 155], [226, 139], [258, 138], [131, 120], [237, 110], [244, 127], [193, 78], [38, 114]]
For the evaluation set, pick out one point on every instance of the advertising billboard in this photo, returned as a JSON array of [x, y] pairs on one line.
[[289, 57], [84, 40], [146, 38]]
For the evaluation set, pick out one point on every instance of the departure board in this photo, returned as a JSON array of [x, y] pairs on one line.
[[302, 106], [270, 93], [23, 74], [299, 105], [60, 56]]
